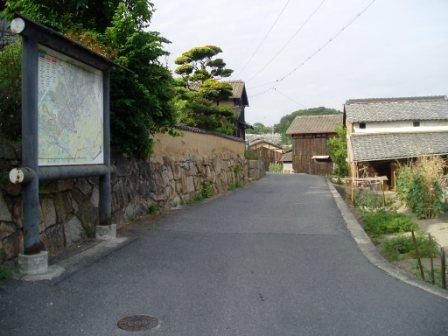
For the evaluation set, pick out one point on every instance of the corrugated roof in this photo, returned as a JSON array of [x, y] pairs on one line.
[[390, 109], [387, 146], [315, 124]]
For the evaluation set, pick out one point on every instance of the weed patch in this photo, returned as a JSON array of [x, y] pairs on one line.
[[403, 247], [275, 167], [234, 186], [153, 210]]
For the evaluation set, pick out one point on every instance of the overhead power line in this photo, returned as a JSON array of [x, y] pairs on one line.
[[317, 51], [265, 37], [293, 36], [286, 96]]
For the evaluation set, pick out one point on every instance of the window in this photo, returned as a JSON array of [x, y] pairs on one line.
[[362, 125], [416, 123]]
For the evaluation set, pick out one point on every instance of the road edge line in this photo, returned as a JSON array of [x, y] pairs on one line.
[[371, 252]]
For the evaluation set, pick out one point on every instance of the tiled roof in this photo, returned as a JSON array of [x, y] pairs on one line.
[[275, 138], [237, 87], [390, 109], [315, 124], [263, 141], [287, 157], [387, 146]]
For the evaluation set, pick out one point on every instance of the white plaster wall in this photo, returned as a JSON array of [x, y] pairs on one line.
[[287, 168], [402, 126]]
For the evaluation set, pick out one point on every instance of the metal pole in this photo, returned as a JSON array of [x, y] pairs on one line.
[[30, 63], [105, 188]]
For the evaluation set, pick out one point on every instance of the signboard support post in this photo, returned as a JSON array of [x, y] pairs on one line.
[[106, 230], [32, 241]]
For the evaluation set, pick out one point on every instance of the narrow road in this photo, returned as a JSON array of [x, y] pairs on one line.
[[274, 259]]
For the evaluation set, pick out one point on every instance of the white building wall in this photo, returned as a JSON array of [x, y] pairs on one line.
[[287, 168], [402, 126]]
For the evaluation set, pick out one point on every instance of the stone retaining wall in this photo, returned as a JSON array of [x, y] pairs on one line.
[[69, 208]]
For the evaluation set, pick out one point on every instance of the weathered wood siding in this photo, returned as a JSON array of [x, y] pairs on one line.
[[305, 146], [267, 155]]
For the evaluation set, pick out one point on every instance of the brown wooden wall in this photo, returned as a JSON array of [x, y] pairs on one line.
[[305, 146], [267, 155]]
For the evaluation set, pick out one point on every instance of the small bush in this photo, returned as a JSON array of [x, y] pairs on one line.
[[275, 167], [249, 155], [403, 248], [384, 222]]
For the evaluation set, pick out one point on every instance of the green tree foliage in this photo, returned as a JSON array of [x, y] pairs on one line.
[[259, 128], [337, 148], [141, 100], [286, 120], [198, 64], [10, 88], [199, 91]]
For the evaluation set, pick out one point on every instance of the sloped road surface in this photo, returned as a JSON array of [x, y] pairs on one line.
[[274, 259]]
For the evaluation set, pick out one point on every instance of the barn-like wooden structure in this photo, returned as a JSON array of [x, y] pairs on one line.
[[309, 142]]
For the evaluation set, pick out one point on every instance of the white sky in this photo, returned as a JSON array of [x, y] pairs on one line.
[[396, 48]]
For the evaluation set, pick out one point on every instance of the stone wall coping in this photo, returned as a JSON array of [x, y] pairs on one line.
[[202, 131]]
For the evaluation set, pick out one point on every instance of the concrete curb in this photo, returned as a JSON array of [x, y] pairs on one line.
[[77, 261], [371, 253]]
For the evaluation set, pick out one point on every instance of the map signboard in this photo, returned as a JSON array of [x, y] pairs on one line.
[[70, 105]]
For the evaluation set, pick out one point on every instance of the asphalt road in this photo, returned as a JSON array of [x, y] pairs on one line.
[[274, 259]]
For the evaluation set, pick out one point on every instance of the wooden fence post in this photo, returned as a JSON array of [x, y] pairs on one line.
[[417, 253], [431, 260], [443, 267]]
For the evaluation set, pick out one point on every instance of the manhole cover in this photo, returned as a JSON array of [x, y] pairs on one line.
[[137, 323]]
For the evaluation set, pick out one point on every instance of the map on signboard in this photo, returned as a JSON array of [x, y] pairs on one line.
[[70, 130]]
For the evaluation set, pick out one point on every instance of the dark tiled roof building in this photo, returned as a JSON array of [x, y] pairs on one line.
[[383, 132]]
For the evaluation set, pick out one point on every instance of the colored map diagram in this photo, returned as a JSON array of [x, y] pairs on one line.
[[70, 111]]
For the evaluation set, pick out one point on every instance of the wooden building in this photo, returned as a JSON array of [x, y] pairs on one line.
[[267, 151], [383, 133], [238, 100], [309, 142]]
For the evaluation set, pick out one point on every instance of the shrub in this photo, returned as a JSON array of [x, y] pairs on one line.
[[420, 186], [403, 247], [383, 222], [275, 167], [249, 155]]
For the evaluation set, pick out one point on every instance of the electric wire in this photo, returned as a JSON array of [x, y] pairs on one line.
[[264, 38], [317, 51], [293, 36]]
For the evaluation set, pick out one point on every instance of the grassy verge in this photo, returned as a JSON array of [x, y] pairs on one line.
[[386, 222]]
